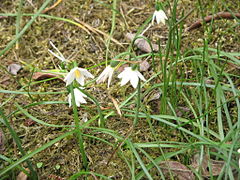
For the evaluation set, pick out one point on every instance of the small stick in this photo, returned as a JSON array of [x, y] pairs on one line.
[[120, 145], [207, 19], [52, 7]]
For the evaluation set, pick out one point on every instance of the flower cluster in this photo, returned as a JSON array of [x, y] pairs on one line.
[[128, 74], [80, 74]]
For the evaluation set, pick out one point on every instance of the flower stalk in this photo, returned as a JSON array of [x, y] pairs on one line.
[[78, 129], [138, 102]]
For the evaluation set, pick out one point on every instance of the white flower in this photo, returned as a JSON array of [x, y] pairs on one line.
[[60, 56], [79, 98], [130, 75], [107, 73], [160, 16], [79, 74]]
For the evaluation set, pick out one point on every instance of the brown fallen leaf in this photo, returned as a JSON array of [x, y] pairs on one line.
[[142, 44], [178, 170], [22, 175], [14, 68], [41, 75], [216, 166]]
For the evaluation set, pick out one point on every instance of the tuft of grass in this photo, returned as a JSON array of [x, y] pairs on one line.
[[194, 76]]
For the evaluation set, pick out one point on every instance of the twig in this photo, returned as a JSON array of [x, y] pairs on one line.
[[207, 19], [53, 6], [114, 152], [97, 31]]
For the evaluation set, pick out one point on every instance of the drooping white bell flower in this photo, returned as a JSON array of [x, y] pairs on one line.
[[79, 98], [60, 56], [160, 16], [130, 75], [79, 74], [107, 73]]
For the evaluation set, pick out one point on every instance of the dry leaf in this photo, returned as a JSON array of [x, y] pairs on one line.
[[178, 170], [22, 175], [14, 68], [144, 66], [215, 165], [116, 106], [40, 76], [142, 44]]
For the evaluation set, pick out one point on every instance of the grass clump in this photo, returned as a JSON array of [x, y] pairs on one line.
[[181, 120]]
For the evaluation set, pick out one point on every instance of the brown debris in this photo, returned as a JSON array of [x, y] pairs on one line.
[[41, 75], [141, 43], [177, 170], [207, 19], [216, 166]]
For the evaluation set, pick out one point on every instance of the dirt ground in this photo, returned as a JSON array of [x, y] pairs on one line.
[[88, 49]]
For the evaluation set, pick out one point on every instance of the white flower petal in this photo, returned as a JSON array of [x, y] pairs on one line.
[[134, 80], [130, 75], [102, 77], [124, 81], [69, 78], [80, 80], [79, 74], [153, 18], [160, 16], [79, 98], [86, 73], [140, 76], [121, 75], [107, 73], [110, 78]]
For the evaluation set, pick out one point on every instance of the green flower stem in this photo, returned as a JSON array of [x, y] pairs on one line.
[[138, 102], [18, 142], [18, 19], [78, 129], [102, 121], [114, 8]]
